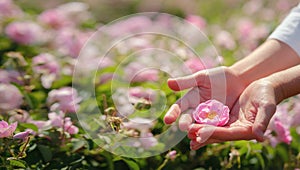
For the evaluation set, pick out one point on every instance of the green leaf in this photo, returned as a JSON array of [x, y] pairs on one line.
[[31, 100], [17, 163], [46, 152], [63, 81], [29, 126], [108, 158], [78, 144], [132, 164], [261, 160]]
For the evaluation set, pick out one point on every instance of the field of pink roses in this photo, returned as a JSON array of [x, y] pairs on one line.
[[41, 106]]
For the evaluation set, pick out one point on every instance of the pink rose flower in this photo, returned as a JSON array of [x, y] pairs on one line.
[[22, 135], [7, 130], [9, 9], [69, 127], [142, 93], [69, 41], [211, 112], [197, 21], [11, 98], [148, 140], [226, 40], [129, 25], [46, 65], [64, 99], [57, 120], [24, 32], [172, 155], [195, 64], [283, 133], [137, 72], [60, 121], [10, 76], [54, 18]]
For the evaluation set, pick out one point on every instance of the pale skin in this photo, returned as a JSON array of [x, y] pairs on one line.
[[254, 86]]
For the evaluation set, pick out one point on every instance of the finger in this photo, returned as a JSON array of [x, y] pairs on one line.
[[187, 82], [206, 132], [185, 121], [193, 128], [190, 99], [262, 120], [194, 145], [172, 114]]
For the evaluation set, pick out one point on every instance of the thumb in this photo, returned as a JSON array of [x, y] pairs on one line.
[[187, 82], [262, 120]]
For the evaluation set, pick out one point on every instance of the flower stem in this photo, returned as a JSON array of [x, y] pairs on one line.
[[163, 164]]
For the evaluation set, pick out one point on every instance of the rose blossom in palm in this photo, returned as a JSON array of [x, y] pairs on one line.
[[211, 112], [7, 130]]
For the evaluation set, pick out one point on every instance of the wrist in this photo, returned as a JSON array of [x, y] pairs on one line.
[[238, 74], [276, 84]]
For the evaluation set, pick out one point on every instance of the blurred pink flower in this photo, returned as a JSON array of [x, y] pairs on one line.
[[9, 9], [69, 127], [211, 112], [198, 21], [24, 32], [22, 135], [54, 18], [106, 77], [41, 125], [70, 41], [46, 65], [21, 117], [245, 28], [129, 25], [283, 133], [194, 65], [139, 92], [10, 76], [58, 120], [4, 77], [76, 12], [225, 39], [137, 72], [280, 124], [11, 98], [7, 130], [148, 140], [64, 99], [172, 155], [141, 124], [295, 113]]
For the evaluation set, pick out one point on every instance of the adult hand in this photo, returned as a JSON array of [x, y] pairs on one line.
[[219, 83], [249, 117]]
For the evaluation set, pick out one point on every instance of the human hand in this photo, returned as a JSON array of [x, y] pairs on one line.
[[205, 85], [249, 117]]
